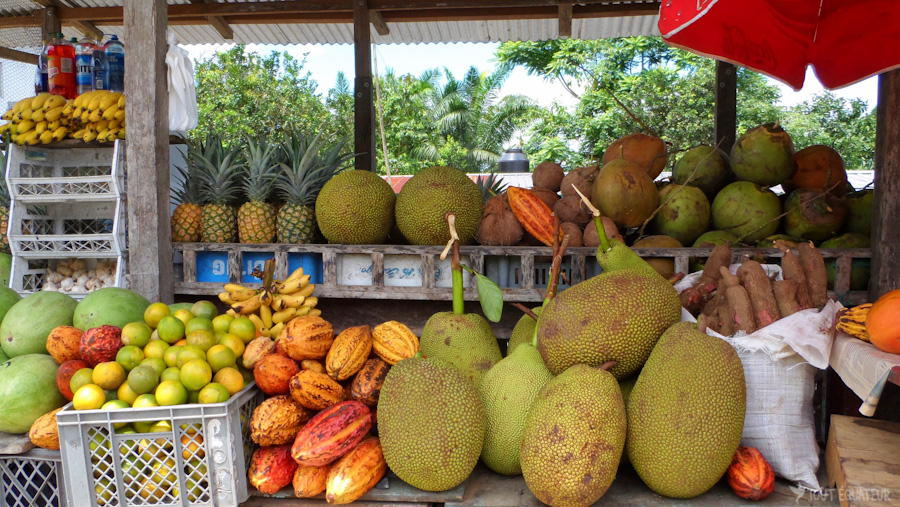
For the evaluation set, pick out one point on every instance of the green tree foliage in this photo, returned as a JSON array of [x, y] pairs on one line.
[[848, 126]]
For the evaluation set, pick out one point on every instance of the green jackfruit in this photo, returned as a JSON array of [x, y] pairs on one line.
[[619, 256], [431, 423], [428, 196], [686, 412], [523, 332], [574, 436], [507, 391], [465, 341], [356, 207], [614, 316]]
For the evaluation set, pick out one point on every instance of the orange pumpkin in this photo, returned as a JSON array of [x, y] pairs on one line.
[[883, 322], [750, 475]]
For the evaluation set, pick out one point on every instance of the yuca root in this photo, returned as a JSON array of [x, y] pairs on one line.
[[793, 270], [696, 297], [786, 297], [759, 288], [739, 301], [816, 277]]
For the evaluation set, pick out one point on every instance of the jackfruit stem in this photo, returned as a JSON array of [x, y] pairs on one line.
[[607, 365], [598, 222], [455, 267]]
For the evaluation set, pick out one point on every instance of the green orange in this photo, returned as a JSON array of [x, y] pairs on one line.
[[137, 334], [171, 329], [188, 353], [170, 373], [81, 377], [108, 375], [234, 343], [220, 356], [171, 355], [201, 338], [231, 378], [126, 394], [156, 363], [205, 309], [214, 393], [144, 401], [143, 379], [171, 392], [156, 348], [129, 356], [198, 323], [155, 312], [195, 374], [222, 322], [243, 328], [183, 315]]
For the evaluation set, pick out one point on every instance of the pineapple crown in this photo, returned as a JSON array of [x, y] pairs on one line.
[[491, 185], [220, 169], [262, 166], [305, 171]]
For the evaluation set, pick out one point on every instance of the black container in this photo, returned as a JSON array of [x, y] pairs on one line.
[[513, 161]]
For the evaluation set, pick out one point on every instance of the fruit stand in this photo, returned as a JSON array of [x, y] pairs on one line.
[[305, 405]]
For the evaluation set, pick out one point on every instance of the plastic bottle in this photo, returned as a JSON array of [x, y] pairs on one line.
[[61, 68], [41, 85], [115, 58], [84, 65], [100, 69]]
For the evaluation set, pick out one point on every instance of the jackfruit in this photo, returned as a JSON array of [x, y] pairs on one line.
[[523, 332], [356, 207], [507, 391], [466, 341], [574, 436], [428, 196], [686, 412], [614, 316], [431, 423]]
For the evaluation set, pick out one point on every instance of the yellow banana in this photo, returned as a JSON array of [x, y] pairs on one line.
[[60, 133], [257, 321], [295, 275], [53, 125], [54, 114], [110, 114], [289, 301], [293, 285], [101, 125], [95, 116], [4, 128], [26, 125], [24, 114], [120, 115], [121, 133], [113, 135], [89, 136], [233, 287], [242, 294], [311, 302], [121, 102], [247, 307], [224, 297], [46, 137], [80, 99], [38, 100], [265, 313], [37, 115], [31, 140], [113, 125], [102, 135], [40, 126], [110, 100], [306, 291], [265, 298], [67, 110], [284, 315], [53, 102], [94, 103], [8, 115], [315, 312], [77, 112], [22, 104], [231, 312], [85, 116], [303, 310], [276, 330]]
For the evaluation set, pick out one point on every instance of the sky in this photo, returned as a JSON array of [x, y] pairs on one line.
[[325, 61]]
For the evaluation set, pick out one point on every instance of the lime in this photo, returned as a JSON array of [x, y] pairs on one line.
[[108, 375], [243, 328], [82, 377], [171, 355], [156, 348], [136, 333], [129, 356], [144, 401], [170, 373], [171, 329], [201, 338], [144, 426], [171, 392], [110, 395], [155, 312], [126, 430], [222, 322], [234, 343], [116, 405], [214, 393], [126, 394], [89, 397], [189, 352], [142, 379], [219, 356], [198, 323], [206, 309], [156, 363], [195, 374], [184, 316], [230, 378]]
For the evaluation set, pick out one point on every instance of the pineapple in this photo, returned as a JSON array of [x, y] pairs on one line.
[[186, 217], [491, 185], [221, 170], [256, 217], [301, 178]]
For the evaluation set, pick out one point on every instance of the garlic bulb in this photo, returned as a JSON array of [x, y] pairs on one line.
[[77, 288]]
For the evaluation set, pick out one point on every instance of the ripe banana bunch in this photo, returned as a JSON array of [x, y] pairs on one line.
[[44, 118], [273, 307], [853, 321]]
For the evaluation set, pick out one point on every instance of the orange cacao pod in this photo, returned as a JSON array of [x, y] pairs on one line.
[[310, 364], [271, 468], [277, 420], [44, 432], [273, 373], [315, 391], [309, 481], [750, 475], [366, 385], [356, 473], [393, 342], [331, 433], [533, 213], [349, 352], [306, 337]]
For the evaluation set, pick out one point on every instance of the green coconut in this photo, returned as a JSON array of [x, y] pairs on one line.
[[684, 214], [763, 155], [812, 214], [746, 210], [859, 212], [704, 167]]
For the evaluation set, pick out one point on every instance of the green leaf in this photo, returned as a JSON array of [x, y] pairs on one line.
[[489, 294]]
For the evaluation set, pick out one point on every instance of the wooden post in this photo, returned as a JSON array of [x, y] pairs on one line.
[[363, 105], [885, 240], [726, 106], [50, 25], [147, 150]]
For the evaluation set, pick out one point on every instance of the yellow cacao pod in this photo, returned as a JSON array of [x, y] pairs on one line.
[[356, 472], [393, 342], [309, 364], [306, 337], [310, 481], [315, 391], [349, 352], [277, 420], [44, 431]]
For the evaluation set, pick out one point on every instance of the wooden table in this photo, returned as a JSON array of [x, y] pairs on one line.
[[863, 460]]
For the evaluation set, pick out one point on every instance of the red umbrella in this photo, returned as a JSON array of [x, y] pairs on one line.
[[845, 41]]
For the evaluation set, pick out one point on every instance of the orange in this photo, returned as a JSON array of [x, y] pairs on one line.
[[170, 373], [89, 397], [136, 333], [156, 348], [230, 378], [198, 323], [222, 323], [214, 393], [82, 377], [143, 379], [243, 328], [144, 401], [171, 392], [192, 446], [170, 329], [189, 352], [108, 375], [156, 363], [201, 338], [195, 374], [219, 356], [184, 316], [155, 312], [129, 356], [234, 343], [205, 309], [126, 394], [171, 355]]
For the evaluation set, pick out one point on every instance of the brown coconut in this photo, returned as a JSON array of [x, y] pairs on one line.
[[63, 343], [572, 209], [550, 197], [648, 152], [625, 192], [496, 204], [582, 178], [574, 232], [499, 226], [273, 374], [548, 174], [665, 266], [590, 237], [819, 167]]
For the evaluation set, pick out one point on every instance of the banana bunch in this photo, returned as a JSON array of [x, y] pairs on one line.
[[853, 321], [97, 115], [270, 308]]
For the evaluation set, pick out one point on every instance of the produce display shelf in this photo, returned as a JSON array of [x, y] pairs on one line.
[[32, 478], [65, 245], [416, 272]]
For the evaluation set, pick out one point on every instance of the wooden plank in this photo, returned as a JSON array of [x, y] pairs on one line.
[[147, 150], [885, 240], [381, 27], [18, 56], [329, 267], [235, 262], [189, 265], [281, 265], [363, 104], [218, 22], [86, 27], [378, 269], [526, 272], [428, 270], [565, 20], [842, 275], [579, 268], [725, 127], [50, 23], [863, 459]]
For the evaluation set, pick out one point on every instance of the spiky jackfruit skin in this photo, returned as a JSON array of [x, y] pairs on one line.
[[523, 332], [507, 391], [465, 341], [428, 196], [356, 207], [574, 436], [431, 423], [686, 412], [614, 316]]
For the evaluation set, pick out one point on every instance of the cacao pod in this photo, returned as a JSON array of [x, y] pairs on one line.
[[273, 374], [366, 385], [533, 213], [750, 475], [356, 472], [257, 349], [309, 364], [307, 337], [315, 391], [44, 432], [309, 481], [349, 351], [393, 342], [277, 420], [331, 433], [271, 468]]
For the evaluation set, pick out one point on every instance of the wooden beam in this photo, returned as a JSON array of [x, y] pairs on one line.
[[147, 151], [28, 20], [725, 127], [17, 56], [219, 23], [378, 22], [565, 20], [85, 27], [363, 104], [885, 240], [50, 24]]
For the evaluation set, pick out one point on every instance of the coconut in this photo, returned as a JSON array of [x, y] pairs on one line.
[[684, 213], [548, 174], [545, 194], [763, 155], [819, 167], [590, 236], [859, 212], [704, 167], [571, 209], [499, 226], [813, 214], [648, 152], [574, 232], [746, 210], [582, 178], [860, 269], [665, 266], [708, 239], [625, 192], [784, 239]]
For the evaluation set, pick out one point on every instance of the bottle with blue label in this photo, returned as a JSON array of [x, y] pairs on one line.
[[99, 68], [115, 59], [41, 82], [84, 65]]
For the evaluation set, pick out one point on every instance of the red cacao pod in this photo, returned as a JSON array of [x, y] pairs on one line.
[[331, 433], [272, 468], [750, 475]]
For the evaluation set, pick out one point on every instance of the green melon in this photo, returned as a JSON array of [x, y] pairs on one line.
[[110, 306], [8, 298], [5, 267], [28, 322], [27, 391]]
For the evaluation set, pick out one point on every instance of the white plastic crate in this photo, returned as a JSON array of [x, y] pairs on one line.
[[31, 479], [89, 229], [37, 174], [202, 461], [31, 275]]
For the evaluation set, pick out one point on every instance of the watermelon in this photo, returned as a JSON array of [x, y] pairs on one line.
[[110, 306], [28, 323], [5, 267], [8, 298], [27, 391]]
